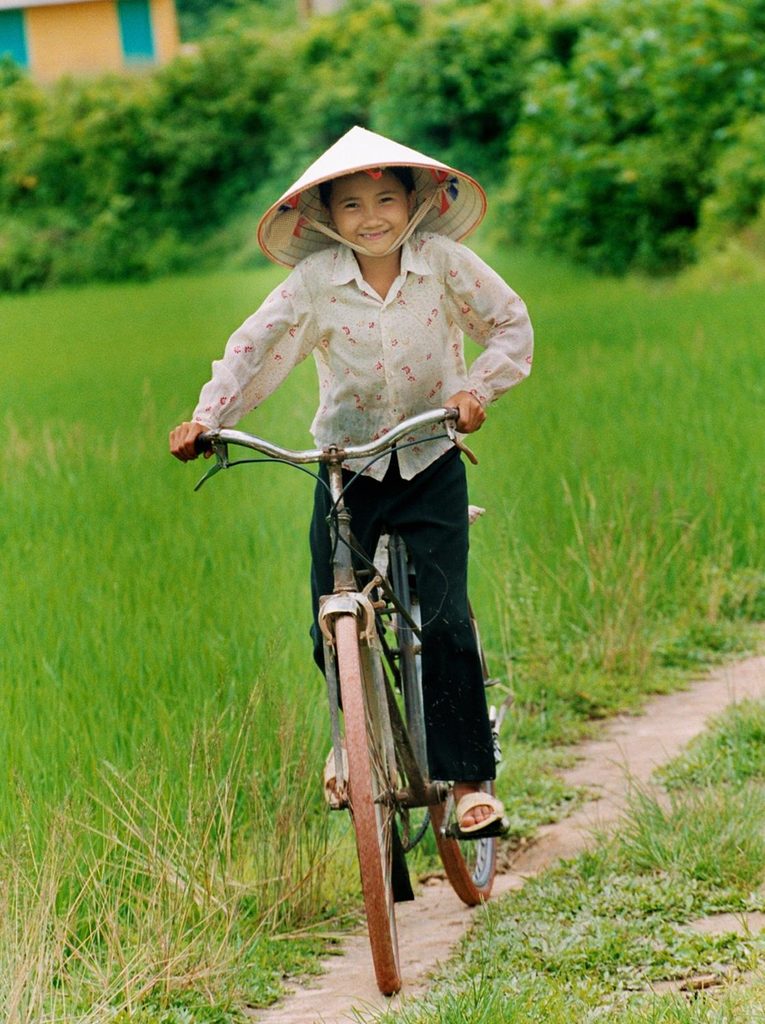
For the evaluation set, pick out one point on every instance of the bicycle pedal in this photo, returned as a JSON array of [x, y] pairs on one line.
[[497, 829], [497, 748]]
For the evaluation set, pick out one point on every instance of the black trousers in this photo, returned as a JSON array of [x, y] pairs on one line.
[[430, 513]]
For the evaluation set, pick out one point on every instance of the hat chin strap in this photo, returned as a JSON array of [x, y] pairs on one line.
[[414, 221]]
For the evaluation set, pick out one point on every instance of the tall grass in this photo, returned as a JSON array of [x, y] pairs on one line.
[[157, 697], [162, 723], [624, 486]]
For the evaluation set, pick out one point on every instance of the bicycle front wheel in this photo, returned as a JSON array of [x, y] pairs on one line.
[[370, 784]]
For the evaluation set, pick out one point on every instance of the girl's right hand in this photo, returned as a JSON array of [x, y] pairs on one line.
[[182, 441]]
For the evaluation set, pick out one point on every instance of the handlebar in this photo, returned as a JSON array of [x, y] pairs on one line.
[[217, 441], [213, 440]]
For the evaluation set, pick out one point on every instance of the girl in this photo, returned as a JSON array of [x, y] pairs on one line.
[[381, 294]]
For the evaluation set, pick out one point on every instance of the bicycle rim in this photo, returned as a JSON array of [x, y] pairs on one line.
[[470, 864], [373, 820]]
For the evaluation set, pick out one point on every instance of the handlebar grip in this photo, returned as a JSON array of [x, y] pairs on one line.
[[203, 443]]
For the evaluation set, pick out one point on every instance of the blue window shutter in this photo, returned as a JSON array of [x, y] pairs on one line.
[[135, 30], [13, 40]]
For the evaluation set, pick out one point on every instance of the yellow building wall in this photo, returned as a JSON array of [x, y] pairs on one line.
[[165, 25], [84, 38], [73, 39]]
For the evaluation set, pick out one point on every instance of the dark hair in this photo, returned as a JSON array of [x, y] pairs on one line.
[[404, 175]]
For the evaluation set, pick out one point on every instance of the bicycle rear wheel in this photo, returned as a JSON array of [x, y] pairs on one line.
[[371, 779], [470, 864]]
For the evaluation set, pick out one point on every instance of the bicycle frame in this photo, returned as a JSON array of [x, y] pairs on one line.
[[346, 597]]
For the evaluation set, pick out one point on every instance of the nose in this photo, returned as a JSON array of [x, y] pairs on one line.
[[370, 214]]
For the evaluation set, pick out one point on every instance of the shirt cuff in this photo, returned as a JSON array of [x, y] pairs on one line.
[[481, 396]]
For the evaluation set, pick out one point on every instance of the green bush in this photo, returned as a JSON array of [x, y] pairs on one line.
[[212, 128], [738, 183], [611, 158], [456, 91], [25, 255], [341, 65], [136, 169], [56, 249], [77, 145], [635, 134], [200, 18]]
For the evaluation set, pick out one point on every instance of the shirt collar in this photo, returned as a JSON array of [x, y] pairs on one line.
[[347, 269], [412, 259]]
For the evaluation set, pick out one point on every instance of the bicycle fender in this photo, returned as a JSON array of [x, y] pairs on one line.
[[343, 604]]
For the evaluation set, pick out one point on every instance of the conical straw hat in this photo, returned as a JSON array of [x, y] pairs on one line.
[[456, 202]]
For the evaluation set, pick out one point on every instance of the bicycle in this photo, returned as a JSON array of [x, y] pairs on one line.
[[371, 634]]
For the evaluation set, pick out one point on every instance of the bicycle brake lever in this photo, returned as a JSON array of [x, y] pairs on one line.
[[467, 451], [221, 462], [453, 436]]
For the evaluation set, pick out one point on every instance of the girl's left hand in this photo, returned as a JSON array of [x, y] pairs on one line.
[[472, 414]]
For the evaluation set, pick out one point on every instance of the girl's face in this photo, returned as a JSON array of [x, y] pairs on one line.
[[369, 211]]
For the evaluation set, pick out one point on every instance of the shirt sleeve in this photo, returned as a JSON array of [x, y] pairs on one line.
[[258, 356], [487, 309]]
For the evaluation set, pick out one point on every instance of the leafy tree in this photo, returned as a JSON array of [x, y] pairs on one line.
[[457, 89], [633, 132], [613, 154], [342, 63], [199, 18], [738, 182]]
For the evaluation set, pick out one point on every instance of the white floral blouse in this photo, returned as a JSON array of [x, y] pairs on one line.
[[378, 360]]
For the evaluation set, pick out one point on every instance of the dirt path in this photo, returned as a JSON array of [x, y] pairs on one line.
[[630, 747]]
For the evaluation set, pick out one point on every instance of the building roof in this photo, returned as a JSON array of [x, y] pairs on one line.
[[9, 5]]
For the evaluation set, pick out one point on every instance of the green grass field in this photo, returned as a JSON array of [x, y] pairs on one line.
[[161, 724]]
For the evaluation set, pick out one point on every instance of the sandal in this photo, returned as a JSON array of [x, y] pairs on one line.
[[472, 800], [336, 799]]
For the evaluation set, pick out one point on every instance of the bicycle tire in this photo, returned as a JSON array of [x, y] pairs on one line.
[[373, 819], [470, 864]]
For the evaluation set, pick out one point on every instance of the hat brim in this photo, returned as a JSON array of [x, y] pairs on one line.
[[286, 236]]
